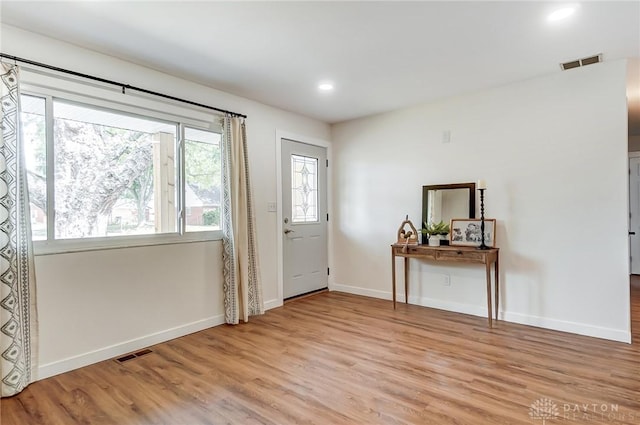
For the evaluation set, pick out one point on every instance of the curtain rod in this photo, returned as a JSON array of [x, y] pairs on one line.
[[115, 83]]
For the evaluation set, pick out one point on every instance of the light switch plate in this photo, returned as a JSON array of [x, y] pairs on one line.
[[272, 207], [446, 136]]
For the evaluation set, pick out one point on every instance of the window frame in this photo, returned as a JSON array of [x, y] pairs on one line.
[[293, 205], [105, 98]]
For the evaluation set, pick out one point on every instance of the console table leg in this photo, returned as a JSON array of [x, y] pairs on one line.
[[489, 310], [497, 271], [406, 280], [393, 277]]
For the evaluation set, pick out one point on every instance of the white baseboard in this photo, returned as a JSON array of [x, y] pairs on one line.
[[473, 310], [422, 301], [85, 359], [566, 326], [274, 303], [524, 319], [356, 290]]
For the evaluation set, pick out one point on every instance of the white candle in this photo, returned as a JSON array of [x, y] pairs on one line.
[[481, 184]]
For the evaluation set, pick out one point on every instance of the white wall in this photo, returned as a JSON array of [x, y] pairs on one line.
[[95, 305], [553, 151]]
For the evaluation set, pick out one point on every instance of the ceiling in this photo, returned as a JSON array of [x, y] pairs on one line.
[[379, 55]]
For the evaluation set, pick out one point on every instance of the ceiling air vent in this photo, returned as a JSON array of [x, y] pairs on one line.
[[569, 65], [581, 62]]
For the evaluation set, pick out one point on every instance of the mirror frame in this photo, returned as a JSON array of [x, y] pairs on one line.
[[472, 198]]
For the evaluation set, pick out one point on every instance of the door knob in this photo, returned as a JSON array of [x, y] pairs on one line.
[[287, 231]]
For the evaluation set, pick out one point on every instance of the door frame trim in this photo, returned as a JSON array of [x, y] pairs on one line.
[[282, 134], [631, 154]]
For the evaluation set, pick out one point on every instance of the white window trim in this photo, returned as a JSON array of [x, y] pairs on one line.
[[111, 97], [45, 85], [63, 246]]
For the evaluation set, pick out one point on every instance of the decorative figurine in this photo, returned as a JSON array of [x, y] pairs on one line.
[[407, 236]]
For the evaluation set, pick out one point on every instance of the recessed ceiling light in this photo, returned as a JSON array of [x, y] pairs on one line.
[[560, 14], [325, 87]]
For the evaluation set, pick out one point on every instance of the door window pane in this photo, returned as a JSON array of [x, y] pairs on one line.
[[114, 173], [35, 141], [202, 180], [304, 189]]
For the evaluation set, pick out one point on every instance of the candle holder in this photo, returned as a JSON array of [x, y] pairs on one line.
[[482, 244]]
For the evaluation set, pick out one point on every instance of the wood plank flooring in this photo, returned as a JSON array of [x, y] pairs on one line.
[[343, 359]]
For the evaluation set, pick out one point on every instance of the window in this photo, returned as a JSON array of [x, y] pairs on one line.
[[304, 188], [97, 173], [114, 174], [202, 192], [34, 137]]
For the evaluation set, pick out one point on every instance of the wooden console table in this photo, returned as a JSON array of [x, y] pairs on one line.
[[460, 254]]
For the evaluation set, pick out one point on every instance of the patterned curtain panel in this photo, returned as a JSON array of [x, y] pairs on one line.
[[18, 320], [242, 286]]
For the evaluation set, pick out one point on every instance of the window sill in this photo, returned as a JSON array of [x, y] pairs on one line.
[[119, 242]]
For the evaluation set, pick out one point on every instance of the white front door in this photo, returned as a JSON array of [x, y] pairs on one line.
[[634, 214], [304, 216]]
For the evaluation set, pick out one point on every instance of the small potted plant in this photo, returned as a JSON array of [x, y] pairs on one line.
[[436, 232]]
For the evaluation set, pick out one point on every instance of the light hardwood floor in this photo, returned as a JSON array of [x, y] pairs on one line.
[[342, 359]]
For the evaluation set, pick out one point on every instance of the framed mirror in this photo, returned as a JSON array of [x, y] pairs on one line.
[[442, 202]]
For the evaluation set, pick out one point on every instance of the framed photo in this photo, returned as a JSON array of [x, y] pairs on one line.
[[466, 232]]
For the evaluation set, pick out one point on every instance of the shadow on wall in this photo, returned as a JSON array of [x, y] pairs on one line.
[[518, 263]]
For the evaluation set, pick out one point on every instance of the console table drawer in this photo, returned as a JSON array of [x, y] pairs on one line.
[[461, 255], [417, 251]]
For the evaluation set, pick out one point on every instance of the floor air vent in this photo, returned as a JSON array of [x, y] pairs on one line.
[[581, 62], [133, 355]]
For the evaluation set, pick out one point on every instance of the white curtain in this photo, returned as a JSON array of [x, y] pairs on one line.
[[18, 318], [242, 286]]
